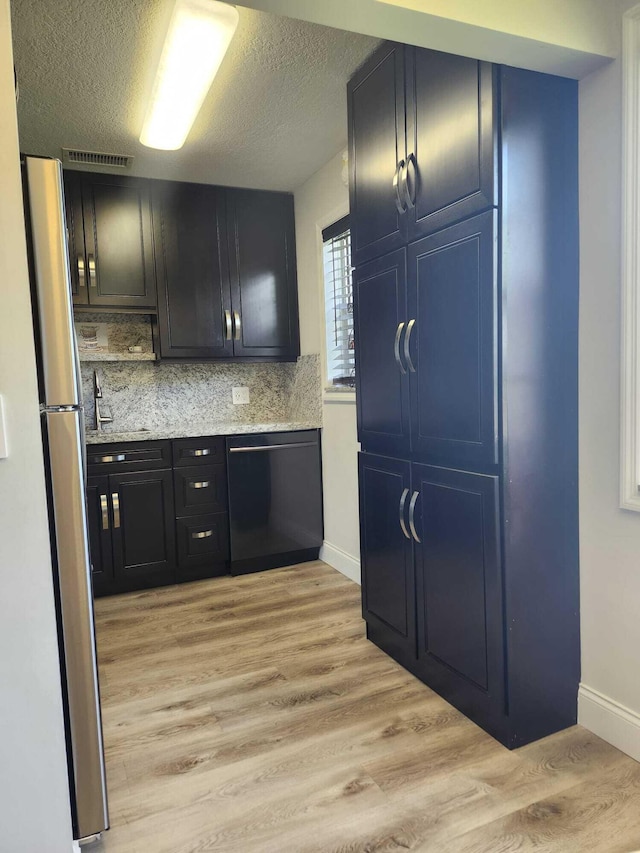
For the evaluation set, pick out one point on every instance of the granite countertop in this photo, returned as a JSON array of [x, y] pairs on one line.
[[195, 430]]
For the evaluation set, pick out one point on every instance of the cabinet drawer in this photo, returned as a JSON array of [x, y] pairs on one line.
[[129, 456], [203, 541], [198, 451], [200, 489]]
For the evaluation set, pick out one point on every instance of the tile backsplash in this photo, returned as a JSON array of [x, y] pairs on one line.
[[148, 395]]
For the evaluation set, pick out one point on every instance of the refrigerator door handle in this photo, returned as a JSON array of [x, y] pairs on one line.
[[53, 282], [64, 431]]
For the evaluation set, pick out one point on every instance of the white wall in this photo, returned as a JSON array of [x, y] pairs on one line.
[[34, 798], [569, 37], [321, 200], [609, 536]]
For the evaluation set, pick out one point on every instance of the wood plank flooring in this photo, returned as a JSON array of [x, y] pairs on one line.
[[251, 715]]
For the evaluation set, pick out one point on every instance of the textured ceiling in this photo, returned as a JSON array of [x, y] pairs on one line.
[[275, 113]]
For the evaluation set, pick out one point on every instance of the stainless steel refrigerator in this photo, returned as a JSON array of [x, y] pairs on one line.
[[65, 461]]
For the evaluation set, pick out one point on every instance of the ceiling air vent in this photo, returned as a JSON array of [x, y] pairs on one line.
[[96, 158]]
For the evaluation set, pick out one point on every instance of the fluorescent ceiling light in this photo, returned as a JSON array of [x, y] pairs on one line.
[[197, 39]]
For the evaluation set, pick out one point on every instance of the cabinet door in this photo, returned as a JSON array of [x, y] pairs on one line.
[[452, 297], [388, 580], [75, 231], [262, 259], [118, 240], [459, 589], [194, 299], [450, 138], [99, 518], [376, 108], [382, 379], [143, 528]]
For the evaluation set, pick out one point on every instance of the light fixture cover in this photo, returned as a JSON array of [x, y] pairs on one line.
[[197, 39]]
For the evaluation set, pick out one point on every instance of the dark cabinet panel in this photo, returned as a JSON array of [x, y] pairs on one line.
[[453, 300], [459, 584], [450, 138], [262, 261], [388, 581], [194, 299], [128, 456], [203, 546], [118, 241], [201, 489], [75, 229], [143, 528], [99, 518], [382, 373], [376, 105]]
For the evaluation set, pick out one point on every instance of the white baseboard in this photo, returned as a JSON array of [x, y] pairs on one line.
[[609, 720], [340, 560]]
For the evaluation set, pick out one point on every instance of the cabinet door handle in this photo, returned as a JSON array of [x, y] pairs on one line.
[[203, 484], [82, 282], [93, 279], [396, 348], [202, 534], [403, 501], [412, 509], [407, 341], [115, 500], [237, 322], [104, 508], [396, 187], [205, 451], [228, 325], [409, 193]]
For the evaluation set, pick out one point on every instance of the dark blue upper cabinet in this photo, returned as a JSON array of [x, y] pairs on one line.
[[382, 374], [388, 579], [377, 145], [451, 139], [459, 590], [451, 344]]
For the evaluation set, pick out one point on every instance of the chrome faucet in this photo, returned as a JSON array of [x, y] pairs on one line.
[[100, 419]]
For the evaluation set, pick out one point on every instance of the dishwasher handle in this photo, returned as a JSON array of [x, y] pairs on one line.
[[262, 447]]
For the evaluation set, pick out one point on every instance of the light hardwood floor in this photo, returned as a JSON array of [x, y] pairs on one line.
[[250, 714]]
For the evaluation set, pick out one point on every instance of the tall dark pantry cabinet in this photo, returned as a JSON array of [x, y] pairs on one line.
[[464, 230]]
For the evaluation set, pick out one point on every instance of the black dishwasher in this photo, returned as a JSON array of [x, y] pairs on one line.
[[275, 499]]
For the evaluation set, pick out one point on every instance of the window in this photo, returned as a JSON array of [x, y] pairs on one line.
[[338, 296]]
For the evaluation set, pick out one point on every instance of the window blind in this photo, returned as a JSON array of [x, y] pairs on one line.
[[338, 288]]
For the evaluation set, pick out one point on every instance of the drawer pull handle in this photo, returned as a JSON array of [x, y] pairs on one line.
[[403, 500], [396, 187], [260, 447], [412, 509], [204, 452], [202, 534], [203, 484], [93, 279], [407, 342], [120, 457], [104, 509], [82, 282], [396, 348]]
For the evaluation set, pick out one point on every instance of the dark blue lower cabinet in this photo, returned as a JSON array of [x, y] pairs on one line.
[[432, 580], [460, 641], [388, 577]]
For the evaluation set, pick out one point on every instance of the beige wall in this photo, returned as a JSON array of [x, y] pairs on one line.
[[321, 200], [609, 536], [34, 798]]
